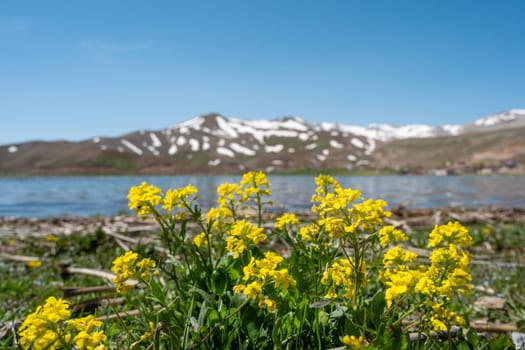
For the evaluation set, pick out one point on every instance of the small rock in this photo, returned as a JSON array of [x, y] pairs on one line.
[[518, 339], [490, 302]]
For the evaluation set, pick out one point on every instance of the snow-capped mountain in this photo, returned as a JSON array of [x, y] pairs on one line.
[[215, 143]]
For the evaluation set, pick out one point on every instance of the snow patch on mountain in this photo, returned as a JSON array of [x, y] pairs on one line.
[[310, 146], [131, 146], [370, 147], [214, 162], [155, 140], [181, 141], [452, 129], [336, 144], [495, 119], [225, 152], [357, 143], [241, 149], [225, 128], [273, 148], [194, 144], [173, 149]]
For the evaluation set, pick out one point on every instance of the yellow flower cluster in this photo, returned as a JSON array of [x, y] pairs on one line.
[[263, 272], [179, 197], [442, 317], [143, 197], [241, 234], [87, 338], [284, 220], [255, 183], [447, 274], [355, 343], [451, 233], [201, 239], [338, 212], [342, 274], [399, 273], [230, 196], [389, 234], [128, 267], [49, 328]]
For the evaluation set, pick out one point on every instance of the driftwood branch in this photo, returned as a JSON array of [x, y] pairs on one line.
[[483, 326], [18, 258], [108, 276]]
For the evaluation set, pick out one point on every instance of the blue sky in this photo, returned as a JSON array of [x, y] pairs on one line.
[[76, 69]]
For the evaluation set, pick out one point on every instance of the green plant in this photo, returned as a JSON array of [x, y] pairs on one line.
[[341, 279]]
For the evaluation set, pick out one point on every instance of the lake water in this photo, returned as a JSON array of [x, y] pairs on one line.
[[107, 195]]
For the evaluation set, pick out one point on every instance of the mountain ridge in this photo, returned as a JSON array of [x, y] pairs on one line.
[[213, 143]]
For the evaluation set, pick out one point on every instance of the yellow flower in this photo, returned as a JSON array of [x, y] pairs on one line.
[[85, 341], [51, 238], [200, 240], [179, 197], [229, 195], [143, 197], [451, 233], [49, 328], [149, 332], [308, 232], [239, 288], [389, 233], [34, 263], [270, 304], [282, 278], [398, 256], [286, 219], [255, 184], [235, 245], [442, 318], [127, 267], [253, 290], [341, 273], [355, 343], [242, 232], [370, 213], [449, 270]]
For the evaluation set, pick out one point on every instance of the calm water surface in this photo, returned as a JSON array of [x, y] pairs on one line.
[[106, 195]]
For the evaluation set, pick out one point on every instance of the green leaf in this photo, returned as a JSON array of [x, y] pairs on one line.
[[502, 342], [377, 308], [158, 293], [219, 282]]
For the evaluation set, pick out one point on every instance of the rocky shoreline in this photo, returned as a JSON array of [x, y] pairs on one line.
[[406, 218]]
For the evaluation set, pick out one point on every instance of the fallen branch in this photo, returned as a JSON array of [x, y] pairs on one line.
[[87, 271], [19, 258], [483, 326]]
